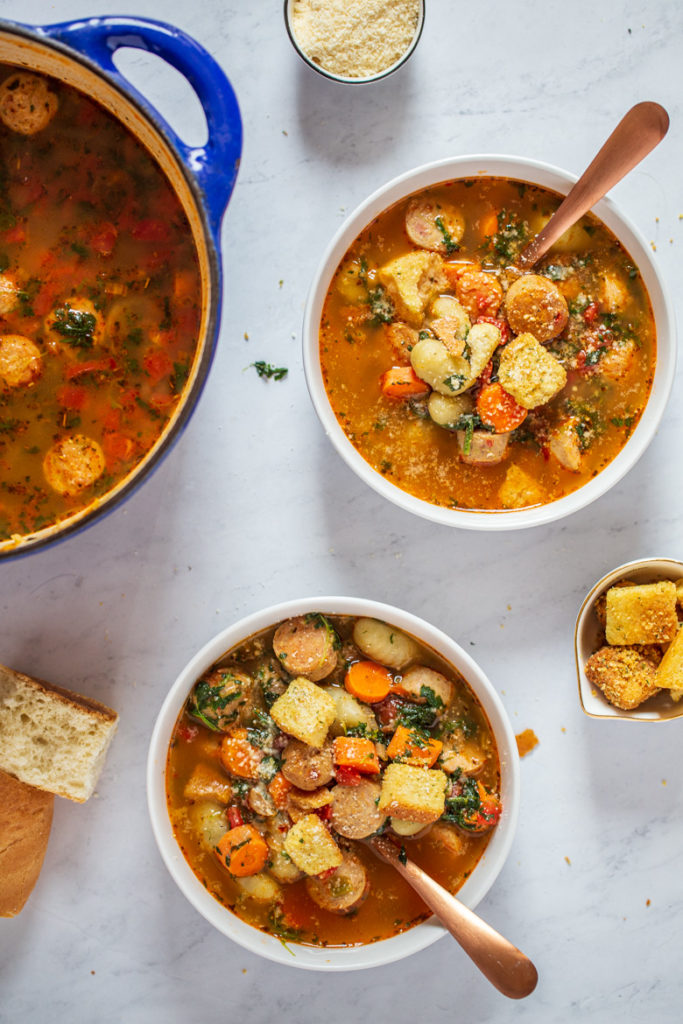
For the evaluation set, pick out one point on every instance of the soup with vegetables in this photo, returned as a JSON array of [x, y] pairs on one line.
[[310, 737], [99, 286], [467, 383]]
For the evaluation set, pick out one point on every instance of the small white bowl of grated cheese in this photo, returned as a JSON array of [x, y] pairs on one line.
[[354, 41]]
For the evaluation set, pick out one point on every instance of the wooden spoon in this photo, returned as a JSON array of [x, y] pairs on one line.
[[636, 135], [503, 964]]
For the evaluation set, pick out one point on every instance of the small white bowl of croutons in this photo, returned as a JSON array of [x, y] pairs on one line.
[[628, 643]]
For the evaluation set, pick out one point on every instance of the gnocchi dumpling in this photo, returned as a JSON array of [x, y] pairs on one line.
[[383, 643], [208, 821], [434, 364], [261, 887], [350, 712], [446, 412]]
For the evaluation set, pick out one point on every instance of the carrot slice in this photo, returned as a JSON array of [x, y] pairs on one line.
[[356, 752], [239, 756], [368, 681], [243, 851], [488, 224], [402, 382], [498, 409], [279, 787], [411, 747]]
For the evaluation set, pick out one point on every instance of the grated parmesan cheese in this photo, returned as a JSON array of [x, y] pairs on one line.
[[354, 38]]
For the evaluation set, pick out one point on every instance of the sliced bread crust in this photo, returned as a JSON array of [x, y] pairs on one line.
[[25, 820], [50, 737]]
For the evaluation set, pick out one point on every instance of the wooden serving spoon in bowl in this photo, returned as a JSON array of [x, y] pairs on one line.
[[636, 135], [503, 964]]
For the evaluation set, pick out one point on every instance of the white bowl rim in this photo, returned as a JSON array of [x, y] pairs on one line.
[[348, 958], [547, 176]]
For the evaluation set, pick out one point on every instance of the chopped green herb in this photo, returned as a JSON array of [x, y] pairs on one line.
[[266, 371]]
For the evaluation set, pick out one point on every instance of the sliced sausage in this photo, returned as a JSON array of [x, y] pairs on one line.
[[420, 676], [301, 802], [433, 225], [484, 449], [20, 360], [535, 304], [401, 337], [73, 464], [220, 697], [305, 767], [469, 758], [260, 801], [448, 837], [27, 105], [342, 891], [9, 295], [305, 646], [354, 809]]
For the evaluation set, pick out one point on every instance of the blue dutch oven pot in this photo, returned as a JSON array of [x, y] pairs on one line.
[[80, 54]]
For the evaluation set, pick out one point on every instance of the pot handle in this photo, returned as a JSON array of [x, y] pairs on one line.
[[214, 165]]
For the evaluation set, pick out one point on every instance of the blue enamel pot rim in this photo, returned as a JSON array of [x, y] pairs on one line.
[[203, 171]]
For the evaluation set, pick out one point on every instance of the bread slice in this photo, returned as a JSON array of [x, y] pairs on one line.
[[52, 738], [25, 820]]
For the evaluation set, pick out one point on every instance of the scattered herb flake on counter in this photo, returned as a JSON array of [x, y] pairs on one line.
[[267, 371]]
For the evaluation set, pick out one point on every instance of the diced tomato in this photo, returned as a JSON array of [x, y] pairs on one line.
[[103, 239], [117, 448], [235, 818], [348, 776], [111, 420], [502, 326], [157, 365], [71, 396], [486, 374], [187, 732], [324, 813], [15, 234], [150, 229], [590, 313], [326, 874]]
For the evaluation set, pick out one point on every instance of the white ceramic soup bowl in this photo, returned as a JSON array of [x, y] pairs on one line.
[[534, 172], [346, 958]]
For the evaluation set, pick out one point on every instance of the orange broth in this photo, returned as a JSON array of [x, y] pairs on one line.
[[392, 906], [398, 438]]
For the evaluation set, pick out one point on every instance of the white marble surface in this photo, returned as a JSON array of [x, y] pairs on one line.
[[253, 506]]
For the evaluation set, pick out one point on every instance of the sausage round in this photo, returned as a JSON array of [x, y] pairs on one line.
[[27, 105], [20, 360], [305, 767], [305, 646], [536, 305], [73, 464], [418, 676], [342, 891], [354, 809]]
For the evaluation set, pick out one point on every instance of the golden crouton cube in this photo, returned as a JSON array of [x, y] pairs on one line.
[[529, 372], [670, 672], [413, 794], [311, 846], [412, 282], [644, 614], [304, 711], [519, 489], [679, 591], [207, 783], [625, 676]]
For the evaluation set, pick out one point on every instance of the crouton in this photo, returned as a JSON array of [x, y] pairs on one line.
[[530, 373], [670, 672], [600, 605], [623, 674], [412, 282], [645, 614], [311, 846], [413, 794], [304, 711], [679, 592], [206, 783], [519, 489]]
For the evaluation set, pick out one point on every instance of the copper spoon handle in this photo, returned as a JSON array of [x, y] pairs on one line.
[[503, 964], [636, 135]]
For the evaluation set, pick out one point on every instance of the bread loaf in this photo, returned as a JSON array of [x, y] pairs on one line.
[[25, 820], [52, 738]]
